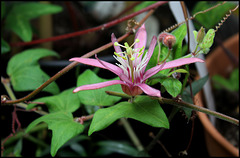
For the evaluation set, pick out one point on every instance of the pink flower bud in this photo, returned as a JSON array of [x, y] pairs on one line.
[[167, 39]]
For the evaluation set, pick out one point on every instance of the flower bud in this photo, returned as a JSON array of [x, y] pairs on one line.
[[167, 39], [200, 35]]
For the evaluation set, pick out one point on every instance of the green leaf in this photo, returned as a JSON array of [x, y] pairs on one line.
[[2, 9], [65, 101], [178, 71], [110, 147], [143, 5], [18, 18], [20, 26], [186, 95], [208, 39], [142, 109], [173, 86], [63, 128], [29, 78], [179, 33], [4, 46], [96, 96], [231, 84], [25, 72], [212, 17], [18, 148]]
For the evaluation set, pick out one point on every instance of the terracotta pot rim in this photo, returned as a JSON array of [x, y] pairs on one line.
[[213, 131], [209, 128]]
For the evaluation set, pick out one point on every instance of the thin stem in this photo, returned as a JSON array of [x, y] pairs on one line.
[[198, 108], [6, 84], [132, 134], [101, 27], [185, 79], [161, 144], [159, 134], [21, 133], [123, 95], [169, 52]]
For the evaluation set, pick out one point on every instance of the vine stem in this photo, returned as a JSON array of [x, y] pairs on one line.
[[101, 27], [199, 108], [132, 134], [181, 103]]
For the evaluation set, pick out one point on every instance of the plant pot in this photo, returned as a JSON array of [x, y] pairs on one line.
[[218, 63]]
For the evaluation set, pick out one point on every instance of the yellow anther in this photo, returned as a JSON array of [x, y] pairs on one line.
[[117, 54], [116, 43], [137, 40]]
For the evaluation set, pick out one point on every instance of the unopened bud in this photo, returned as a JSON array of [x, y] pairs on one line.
[[200, 35], [167, 39]]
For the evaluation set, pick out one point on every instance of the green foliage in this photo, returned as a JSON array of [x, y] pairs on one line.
[[63, 128], [25, 72], [179, 33], [212, 17], [231, 84], [208, 39], [97, 96], [173, 86], [65, 101], [142, 109], [2, 9], [4, 46], [110, 147], [143, 5], [18, 18], [196, 87]]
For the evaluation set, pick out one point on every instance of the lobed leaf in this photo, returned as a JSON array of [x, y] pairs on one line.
[[63, 128], [25, 72], [143, 109], [18, 17]]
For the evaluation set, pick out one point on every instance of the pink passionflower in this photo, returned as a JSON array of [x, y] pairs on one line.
[[131, 66]]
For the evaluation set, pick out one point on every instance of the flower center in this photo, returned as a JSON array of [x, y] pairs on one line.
[[130, 61]]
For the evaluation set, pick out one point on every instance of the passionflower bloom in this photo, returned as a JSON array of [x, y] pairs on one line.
[[131, 66]]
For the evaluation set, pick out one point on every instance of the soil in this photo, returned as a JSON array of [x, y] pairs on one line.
[[228, 104]]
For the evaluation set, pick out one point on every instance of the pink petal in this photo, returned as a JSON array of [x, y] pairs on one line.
[[149, 90], [94, 62], [117, 48], [170, 64], [142, 36], [98, 85], [151, 49]]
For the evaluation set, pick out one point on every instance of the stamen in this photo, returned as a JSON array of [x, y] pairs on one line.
[[117, 44], [136, 41]]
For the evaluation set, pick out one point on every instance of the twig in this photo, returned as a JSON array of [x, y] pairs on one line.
[[160, 143], [198, 108], [101, 27], [159, 134], [132, 134]]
